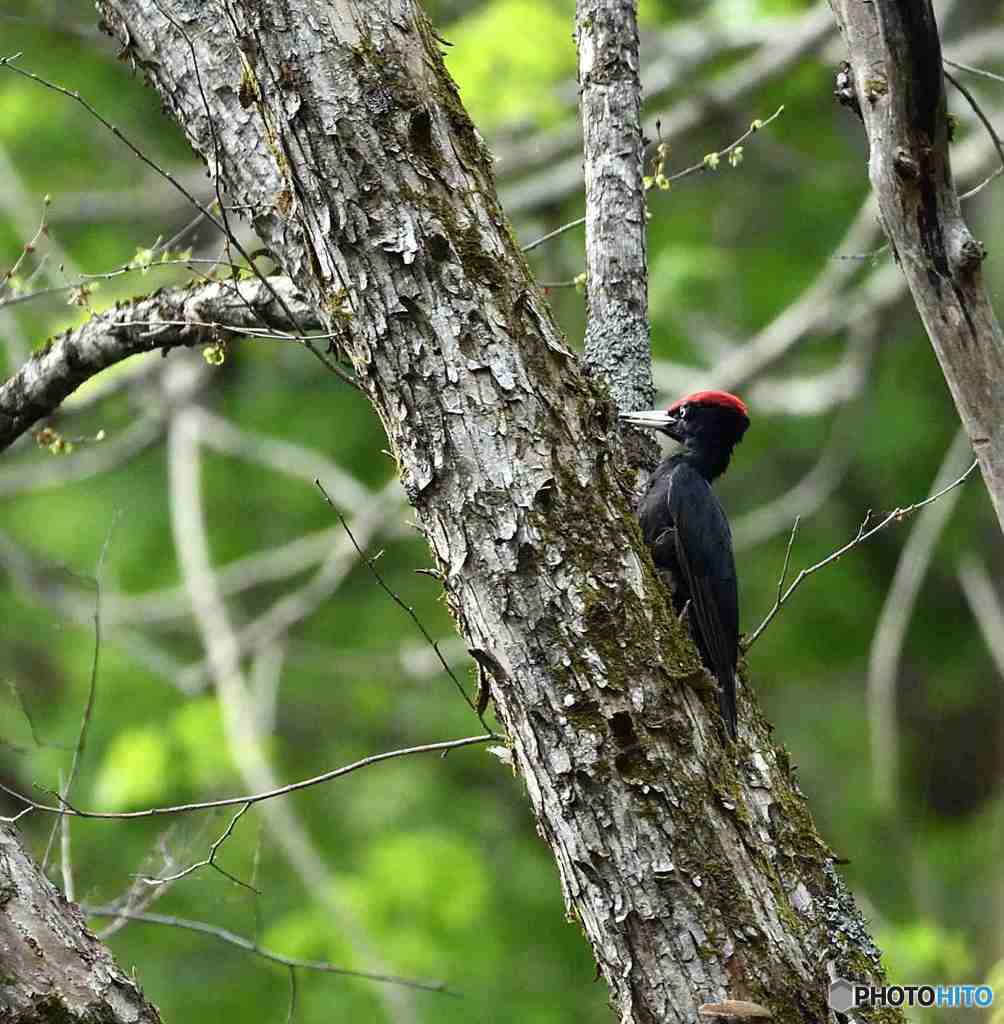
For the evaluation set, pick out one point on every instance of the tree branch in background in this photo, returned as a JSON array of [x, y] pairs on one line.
[[86, 716], [896, 64], [225, 935], [710, 162], [889, 637], [241, 730], [985, 603], [370, 563], [561, 180], [253, 798], [617, 344], [864, 533]]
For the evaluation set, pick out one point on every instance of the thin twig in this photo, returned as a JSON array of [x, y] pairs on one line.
[[8, 62], [254, 798], [706, 165], [408, 609], [686, 172], [92, 689], [107, 275], [291, 1012], [872, 254], [224, 935], [976, 189], [210, 861], [978, 111], [26, 713], [182, 232], [253, 332], [863, 534], [973, 71], [27, 248], [787, 557], [995, 138], [578, 222]]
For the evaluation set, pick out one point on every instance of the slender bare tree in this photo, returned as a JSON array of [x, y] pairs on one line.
[[895, 81]]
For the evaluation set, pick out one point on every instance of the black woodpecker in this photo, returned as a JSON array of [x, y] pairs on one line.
[[685, 526]]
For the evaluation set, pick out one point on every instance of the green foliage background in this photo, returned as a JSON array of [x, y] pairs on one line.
[[436, 859]]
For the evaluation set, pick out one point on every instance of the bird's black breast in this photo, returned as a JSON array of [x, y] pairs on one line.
[[658, 529], [682, 520]]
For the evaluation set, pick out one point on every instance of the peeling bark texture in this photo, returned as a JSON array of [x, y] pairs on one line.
[[692, 866], [172, 318], [895, 58], [617, 337], [53, 968]]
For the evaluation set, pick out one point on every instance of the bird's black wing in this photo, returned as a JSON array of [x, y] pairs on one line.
[[704, 553]]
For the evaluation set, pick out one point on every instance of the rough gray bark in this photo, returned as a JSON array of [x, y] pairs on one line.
[[895, 57], [693, 867], [53, 968], [617, 335]]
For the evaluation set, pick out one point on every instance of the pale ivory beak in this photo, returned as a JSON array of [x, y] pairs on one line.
[[647, 417]]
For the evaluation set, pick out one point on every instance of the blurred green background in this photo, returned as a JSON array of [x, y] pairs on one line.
[[430, 867]]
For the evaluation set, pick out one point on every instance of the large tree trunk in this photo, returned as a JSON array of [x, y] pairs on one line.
[[693, 867]]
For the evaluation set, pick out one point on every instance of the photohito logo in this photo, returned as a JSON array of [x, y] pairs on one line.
[[846, 995]]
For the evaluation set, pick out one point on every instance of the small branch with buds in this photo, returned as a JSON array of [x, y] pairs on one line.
[[733, 153], [864, 533]]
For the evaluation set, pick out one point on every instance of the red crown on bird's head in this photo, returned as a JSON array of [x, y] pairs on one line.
[[721, 398]]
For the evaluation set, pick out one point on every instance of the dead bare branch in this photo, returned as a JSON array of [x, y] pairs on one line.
[[254, 798], [864, 533]]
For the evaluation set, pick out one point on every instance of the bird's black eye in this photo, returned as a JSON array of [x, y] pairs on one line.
[[682, 412]]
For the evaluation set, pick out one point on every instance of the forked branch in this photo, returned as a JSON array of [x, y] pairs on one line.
[[864, 533]]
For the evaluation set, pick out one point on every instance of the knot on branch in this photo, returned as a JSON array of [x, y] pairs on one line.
[[970, 254], [906, 167]]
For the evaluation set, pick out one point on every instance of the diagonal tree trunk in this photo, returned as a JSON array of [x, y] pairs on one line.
[[898, 87], [693, 868], [53, 967]]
